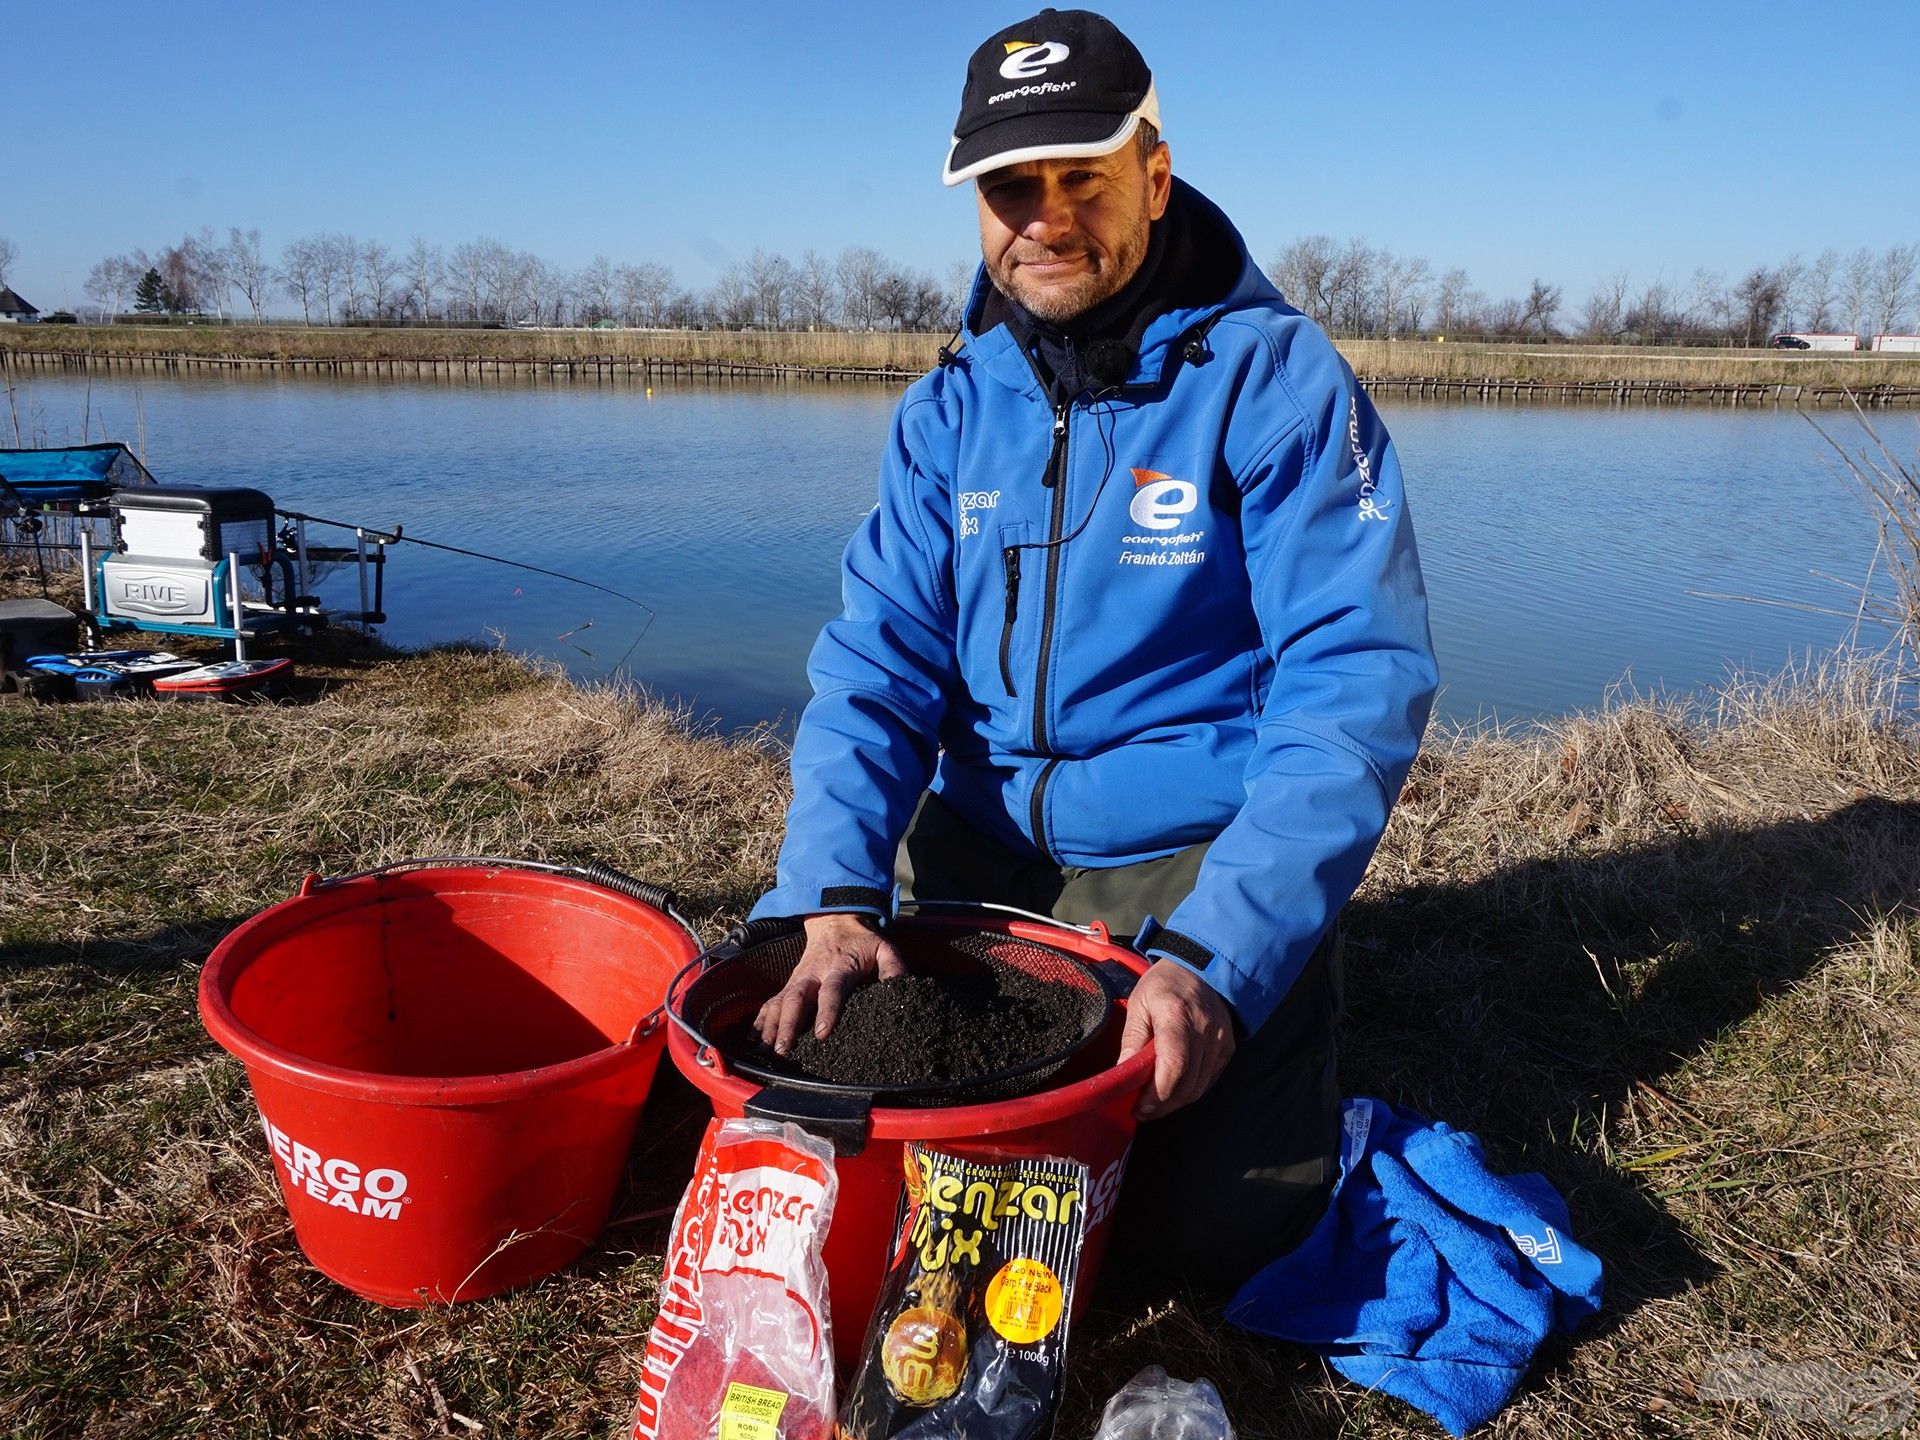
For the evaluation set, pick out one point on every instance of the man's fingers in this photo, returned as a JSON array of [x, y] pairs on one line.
[[892, 967], [1138, 1032], [766, 1024], [1204, 1065], [1172, 1045], [796, 1001], [835, 986]]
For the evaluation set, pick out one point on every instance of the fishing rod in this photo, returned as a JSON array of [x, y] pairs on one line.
[[395, 536]]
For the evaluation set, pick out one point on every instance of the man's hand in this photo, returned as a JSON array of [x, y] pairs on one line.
[[1192, 1033], [843, 953]]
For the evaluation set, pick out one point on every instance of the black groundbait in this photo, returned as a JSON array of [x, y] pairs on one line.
[[970, 1333]]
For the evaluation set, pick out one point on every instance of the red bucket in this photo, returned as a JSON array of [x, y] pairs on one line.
[[449, 1063], [1085, 1115]]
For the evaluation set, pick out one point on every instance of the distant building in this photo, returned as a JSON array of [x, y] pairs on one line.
[[14, 310]]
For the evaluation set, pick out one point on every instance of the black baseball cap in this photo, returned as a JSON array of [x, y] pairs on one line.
[[1064, 83]]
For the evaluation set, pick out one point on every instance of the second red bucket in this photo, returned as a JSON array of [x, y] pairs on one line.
[[449, 1059], [1084, 1112]]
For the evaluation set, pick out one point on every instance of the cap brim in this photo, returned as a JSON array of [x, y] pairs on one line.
[[1055, 135]]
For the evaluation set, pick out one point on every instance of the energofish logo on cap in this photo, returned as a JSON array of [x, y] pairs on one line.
[[1028, 59]]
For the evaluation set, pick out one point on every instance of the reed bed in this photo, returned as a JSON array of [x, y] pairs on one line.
[[1544, 362]]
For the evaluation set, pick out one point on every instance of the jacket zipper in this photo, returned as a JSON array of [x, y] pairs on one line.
[[1010, 558], [1055, 479]]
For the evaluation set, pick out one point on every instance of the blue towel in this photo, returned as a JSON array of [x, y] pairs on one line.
[[1429, 1277]]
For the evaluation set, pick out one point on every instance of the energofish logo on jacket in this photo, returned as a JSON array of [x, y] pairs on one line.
[[1368, 507], [1161, 504]]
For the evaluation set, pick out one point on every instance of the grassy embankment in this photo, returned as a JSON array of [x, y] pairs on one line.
[[1546, 363], [1664, 955]]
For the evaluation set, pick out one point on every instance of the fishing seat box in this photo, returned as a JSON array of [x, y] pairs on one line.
[[35, 627], [192, 522], [167, 542]]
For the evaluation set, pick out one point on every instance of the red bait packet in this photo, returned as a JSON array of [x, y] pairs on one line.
[[741, 1348]]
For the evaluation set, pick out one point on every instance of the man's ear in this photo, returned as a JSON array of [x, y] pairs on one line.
[[1159, 180]]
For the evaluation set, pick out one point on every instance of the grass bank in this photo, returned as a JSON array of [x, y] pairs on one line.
[[1385, 360], [1665, 955]]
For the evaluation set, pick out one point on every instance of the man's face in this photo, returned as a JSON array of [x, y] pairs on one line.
[[1060, 236]]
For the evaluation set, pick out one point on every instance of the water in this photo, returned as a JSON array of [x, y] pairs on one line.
[[1565, 549]]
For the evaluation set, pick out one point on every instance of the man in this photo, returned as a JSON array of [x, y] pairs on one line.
[[1140, 610]]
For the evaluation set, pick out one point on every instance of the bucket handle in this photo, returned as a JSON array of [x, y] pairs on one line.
[[705, 1053], [1096, 930], [597, 872]]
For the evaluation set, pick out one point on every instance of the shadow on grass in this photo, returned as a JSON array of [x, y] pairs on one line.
[[1535, 1005]]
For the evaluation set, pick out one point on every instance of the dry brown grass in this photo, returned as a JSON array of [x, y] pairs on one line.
[[1545, 362], [1665, 954], [863, 350]]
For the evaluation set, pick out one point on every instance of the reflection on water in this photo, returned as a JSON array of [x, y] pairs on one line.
[[1564, 548]]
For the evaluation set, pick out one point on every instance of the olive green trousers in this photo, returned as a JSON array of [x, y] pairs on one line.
[[1217, 1189]]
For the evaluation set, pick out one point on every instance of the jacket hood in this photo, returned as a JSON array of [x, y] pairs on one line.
[[1207, 270]]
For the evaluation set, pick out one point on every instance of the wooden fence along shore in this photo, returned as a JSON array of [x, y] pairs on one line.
[[649, 368]]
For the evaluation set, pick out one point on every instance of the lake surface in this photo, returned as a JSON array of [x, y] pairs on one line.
[[1565, 549]]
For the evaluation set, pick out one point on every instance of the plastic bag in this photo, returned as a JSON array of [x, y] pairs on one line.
[[1154, 1406], [969, 1337], [742, 1347]]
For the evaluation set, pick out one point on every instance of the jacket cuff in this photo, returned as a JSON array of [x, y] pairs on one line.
[[792, 899], [1248, 1002]]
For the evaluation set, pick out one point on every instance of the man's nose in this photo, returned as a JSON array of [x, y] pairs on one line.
[[1051, 218]]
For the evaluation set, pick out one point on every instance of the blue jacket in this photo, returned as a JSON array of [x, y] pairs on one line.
[[1189, 610]]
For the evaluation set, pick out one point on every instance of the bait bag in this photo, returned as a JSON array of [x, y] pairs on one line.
[[1155, 1406], [741, 1347], [970, 1333]]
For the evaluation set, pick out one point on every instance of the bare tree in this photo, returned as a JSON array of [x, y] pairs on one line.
[[770, 281], [350, 271], [1709, 306], [1301, 272], [1655, 316], [247, 267], [860, 272], [1814, 304], [597, 289], [959, 287], [1416, 280], [212, 277], [1389, 290], [1758, 298], [110, 284], [468, 275], [1790, 273], [814, 290], [1893, 286], [1541, 305], [1604, 315], [178, 276], [425, 272], [731, 300], [380, 273], [645, 290], [9, 253], [332, 271], [1453, 302], [686, 311], [302, 273], [1351, 284], [1856, 289]]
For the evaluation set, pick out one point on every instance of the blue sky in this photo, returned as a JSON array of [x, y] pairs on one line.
[[1513, 139]]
